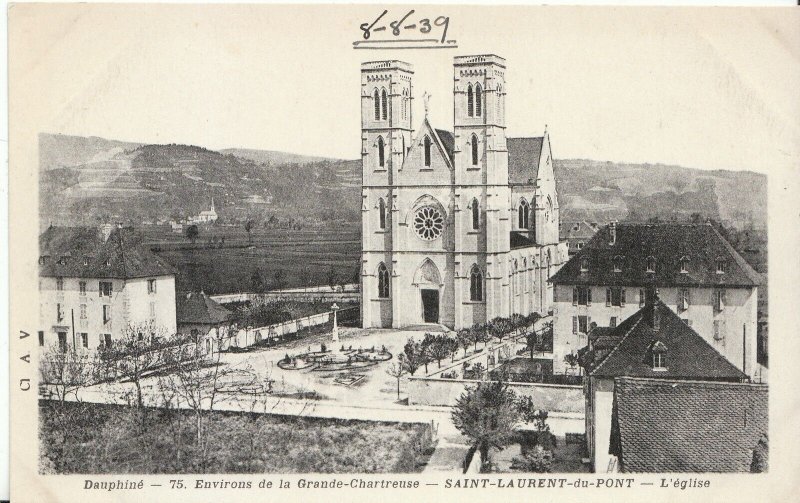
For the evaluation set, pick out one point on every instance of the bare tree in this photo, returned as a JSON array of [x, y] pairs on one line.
[[397, 370], [199, 380], [136, 353], [65, 372]]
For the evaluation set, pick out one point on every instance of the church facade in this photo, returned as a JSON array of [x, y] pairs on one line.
[[459, 226]]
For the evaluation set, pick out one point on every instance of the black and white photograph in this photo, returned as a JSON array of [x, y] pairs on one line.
[[400, 248]]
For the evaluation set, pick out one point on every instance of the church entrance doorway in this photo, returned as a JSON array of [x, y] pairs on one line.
[[430, 305]]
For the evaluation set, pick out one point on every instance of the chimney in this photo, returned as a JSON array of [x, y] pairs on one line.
[[612, 230], [654, 312]]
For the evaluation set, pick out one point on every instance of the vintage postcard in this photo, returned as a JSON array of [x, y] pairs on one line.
[[403, 252]]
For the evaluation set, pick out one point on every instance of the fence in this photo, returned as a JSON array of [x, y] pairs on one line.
[[246, 337], [350, 293]]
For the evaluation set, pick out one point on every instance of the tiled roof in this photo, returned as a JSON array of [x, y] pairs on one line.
[[523, 159], [81, 252], [701, 244], [688, 355], [448, 142], [687, 426], [199, 308]]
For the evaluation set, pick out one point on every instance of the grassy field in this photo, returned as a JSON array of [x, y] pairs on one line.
[[281, 258], [95, 438]]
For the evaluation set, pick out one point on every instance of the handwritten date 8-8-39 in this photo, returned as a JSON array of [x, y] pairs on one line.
[[405, 24]]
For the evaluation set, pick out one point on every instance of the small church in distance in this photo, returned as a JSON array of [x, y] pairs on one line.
[[458, 226]]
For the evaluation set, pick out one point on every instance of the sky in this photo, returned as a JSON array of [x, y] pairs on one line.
[[711, 88]]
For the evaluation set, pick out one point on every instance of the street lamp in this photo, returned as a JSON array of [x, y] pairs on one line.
[[335, 308]]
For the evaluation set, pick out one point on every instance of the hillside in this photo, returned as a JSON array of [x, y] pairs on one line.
[[272, 157], [89, 180]]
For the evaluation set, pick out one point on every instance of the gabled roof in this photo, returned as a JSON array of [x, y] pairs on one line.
[[524, 155], [688, 355], [81, 252], [448, 142], [701, 244], [687, 426], [578, 230], [199, 308]]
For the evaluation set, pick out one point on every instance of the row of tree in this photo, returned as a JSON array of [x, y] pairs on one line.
[[437, 347]]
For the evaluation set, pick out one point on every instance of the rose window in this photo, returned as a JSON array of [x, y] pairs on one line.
[[428, 223]]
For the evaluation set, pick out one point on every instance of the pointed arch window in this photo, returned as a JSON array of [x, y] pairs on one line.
[[523, 213], [478, 100], [584, 264], [470, 101], [384, 105], [476, 284], [476, 215], [404, 147], [383, 282], [381, 156], [474, 147], [618, 263], [427, 145], [684, 264], [650, 264], [377, 102], [382, 213], [497, 100]]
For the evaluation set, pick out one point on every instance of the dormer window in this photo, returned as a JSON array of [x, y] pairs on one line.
[[721, 266], [659, 356], [584, 264], [684, 264], [650, 264], [618, 264]]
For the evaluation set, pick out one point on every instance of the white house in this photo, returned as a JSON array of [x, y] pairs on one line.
[[94, 284]]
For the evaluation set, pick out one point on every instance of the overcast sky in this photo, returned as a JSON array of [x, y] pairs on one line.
[[708, 89]]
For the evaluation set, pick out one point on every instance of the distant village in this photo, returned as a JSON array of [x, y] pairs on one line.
[[624, 347]]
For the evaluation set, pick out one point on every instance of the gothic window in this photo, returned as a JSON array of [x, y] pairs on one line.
[[474, 142], [476, 215], [498, 99], [522, 214], [651, 264], [381, 157], [405, 104], [476, 284], [549, 212], [584, 264], [384, 104], [720, 266], [404, 148], [478, 100], [618, 263], [470, 101], [383, 282], [377, 101], [382, 213], [427, 144], [684, 264]]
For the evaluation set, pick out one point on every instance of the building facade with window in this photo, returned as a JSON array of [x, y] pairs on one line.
[[458, 226], [693, 268], [92, 286]]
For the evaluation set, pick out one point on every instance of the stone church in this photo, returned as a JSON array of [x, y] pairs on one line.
[[459, 226]]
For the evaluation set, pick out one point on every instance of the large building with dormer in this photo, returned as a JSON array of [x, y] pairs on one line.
[[459, 226]]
